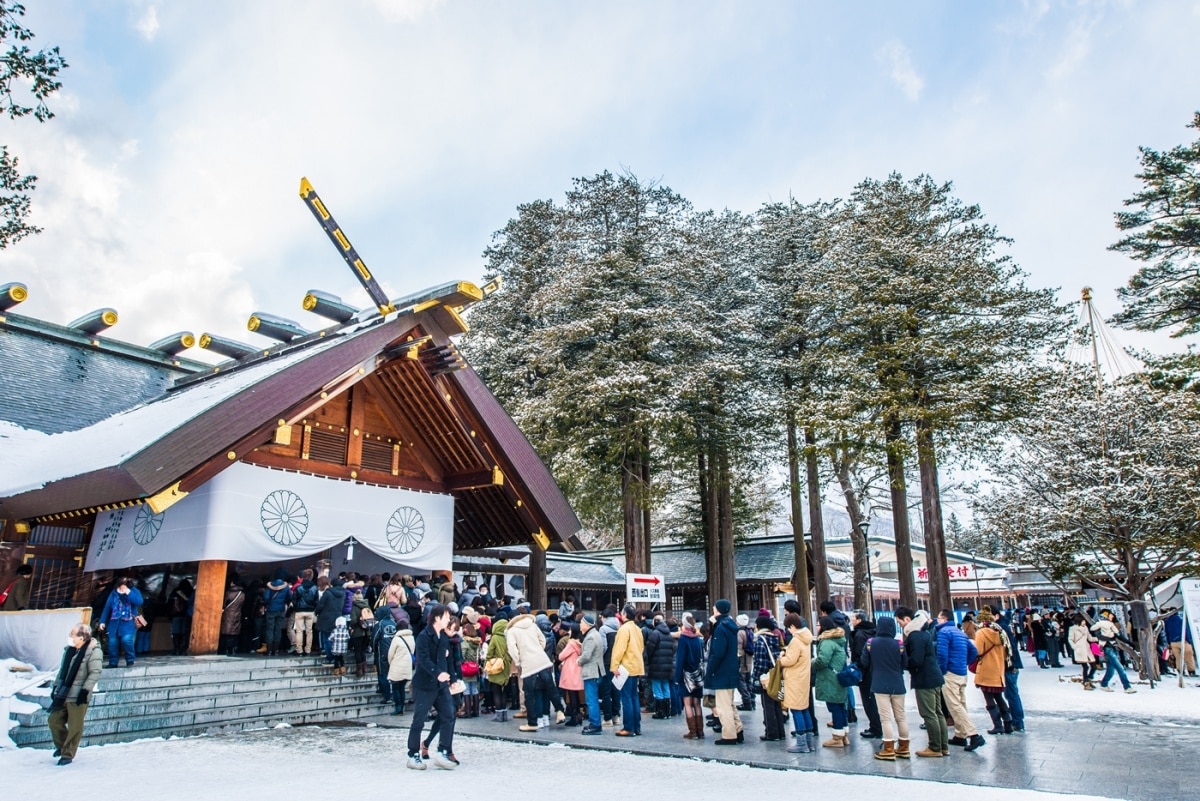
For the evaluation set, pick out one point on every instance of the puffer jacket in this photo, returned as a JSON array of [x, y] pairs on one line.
[[1081, 644], [329, 607], [721, 671], [886, 656], [660, 653], [527, 645], [400, 656], [571, 675], [89, 671], [497, 648], [591, 655], [231, 613], [830, 659], [952, 649], [922, 654], [797, 670]]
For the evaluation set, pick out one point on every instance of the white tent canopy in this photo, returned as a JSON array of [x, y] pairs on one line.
[[254, 514]]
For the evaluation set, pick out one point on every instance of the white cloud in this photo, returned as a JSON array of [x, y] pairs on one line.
[[897, 59], [147, 24], [405, 10]]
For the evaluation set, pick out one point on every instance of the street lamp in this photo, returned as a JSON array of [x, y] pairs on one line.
[[863, 528], [975, 570]]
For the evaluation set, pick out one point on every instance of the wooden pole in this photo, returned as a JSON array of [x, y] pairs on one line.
[[210, 600], [535, 580]]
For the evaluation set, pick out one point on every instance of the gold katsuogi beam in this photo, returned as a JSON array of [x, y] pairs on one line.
[[317, 207]]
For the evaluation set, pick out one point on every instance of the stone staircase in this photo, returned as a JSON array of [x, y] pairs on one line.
[[180, 695]]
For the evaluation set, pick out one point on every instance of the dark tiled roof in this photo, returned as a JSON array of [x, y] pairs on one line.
[[44, 364], [761, 559]]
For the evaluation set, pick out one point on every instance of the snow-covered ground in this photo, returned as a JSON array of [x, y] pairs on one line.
[[232, 767]]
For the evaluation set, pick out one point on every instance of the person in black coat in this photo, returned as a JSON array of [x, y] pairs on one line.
[[331, 598], [721, 671], [431, 690], [660, 666], [927, 680], [864, 630]]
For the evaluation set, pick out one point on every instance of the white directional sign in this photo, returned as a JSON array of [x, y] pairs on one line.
[[645, 588]]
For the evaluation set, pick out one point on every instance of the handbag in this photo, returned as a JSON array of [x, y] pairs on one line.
[[693, 680], [772, 680], [470, 670], [850, 675], [493, 666]]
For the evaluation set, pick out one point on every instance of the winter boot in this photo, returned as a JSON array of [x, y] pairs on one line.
[[836, 740], [660, 710], [798, 747], [851, 717], [930, 753], [997, 723], [902, 749], [360, 669], [887, 753], [810, 740]]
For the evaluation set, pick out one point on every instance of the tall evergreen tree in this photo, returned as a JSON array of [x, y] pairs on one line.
[[1163, 232]]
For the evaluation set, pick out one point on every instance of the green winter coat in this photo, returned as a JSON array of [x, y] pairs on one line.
[[830, 659], [498, 647]]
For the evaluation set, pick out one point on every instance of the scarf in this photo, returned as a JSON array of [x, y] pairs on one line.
[[72, 659], [1008, 652]]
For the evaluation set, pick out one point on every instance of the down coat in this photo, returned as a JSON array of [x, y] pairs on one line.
[[660, 653], [527, 645], [797, 670], [830, 659]]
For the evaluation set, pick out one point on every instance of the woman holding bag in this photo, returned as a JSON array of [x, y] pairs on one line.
[[797, 681]]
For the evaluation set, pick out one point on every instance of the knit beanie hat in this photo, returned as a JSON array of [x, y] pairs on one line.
[[723, 606]]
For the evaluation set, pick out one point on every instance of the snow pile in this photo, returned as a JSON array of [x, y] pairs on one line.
[[12, 682]]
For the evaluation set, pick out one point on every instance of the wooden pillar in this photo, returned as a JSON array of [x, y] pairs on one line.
[[210, 600], [535, 580]]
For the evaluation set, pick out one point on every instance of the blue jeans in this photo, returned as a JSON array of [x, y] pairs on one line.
[[1112, 664], [125, 632], [1013, 696], [850, 699], [661, 688], [631, 707], [839, 715], [591, 696], [802, 720]]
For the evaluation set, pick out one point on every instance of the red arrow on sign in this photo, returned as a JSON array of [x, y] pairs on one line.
[[652, 580]]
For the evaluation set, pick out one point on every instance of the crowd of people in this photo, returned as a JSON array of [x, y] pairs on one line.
[[440, 653]]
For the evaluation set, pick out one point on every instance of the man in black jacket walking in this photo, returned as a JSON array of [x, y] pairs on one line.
[[431, 689]]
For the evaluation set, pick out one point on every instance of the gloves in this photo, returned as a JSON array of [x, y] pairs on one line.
[[83, 697]]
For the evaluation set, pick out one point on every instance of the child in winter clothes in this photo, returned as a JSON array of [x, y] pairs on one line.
[[337, 645]]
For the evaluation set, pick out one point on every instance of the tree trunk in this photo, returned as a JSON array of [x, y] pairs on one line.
[[712, 536], [862, 589], [815, 524], [646, 534], [728, 573], [931, 517], [631, 513], [899, 494], [800, 579], [535, 581]]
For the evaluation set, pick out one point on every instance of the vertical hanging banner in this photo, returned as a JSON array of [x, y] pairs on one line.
[[254, 514], [1190, 590]]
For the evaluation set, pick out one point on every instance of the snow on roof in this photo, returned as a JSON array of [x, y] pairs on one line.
[[30, 460]]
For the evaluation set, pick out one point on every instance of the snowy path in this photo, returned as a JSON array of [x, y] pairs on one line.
[[229, 768]]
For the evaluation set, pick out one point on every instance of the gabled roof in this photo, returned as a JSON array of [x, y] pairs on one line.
[[210, 416], [45, 363]]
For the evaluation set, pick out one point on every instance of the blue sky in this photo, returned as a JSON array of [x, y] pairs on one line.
[[168, 180]]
